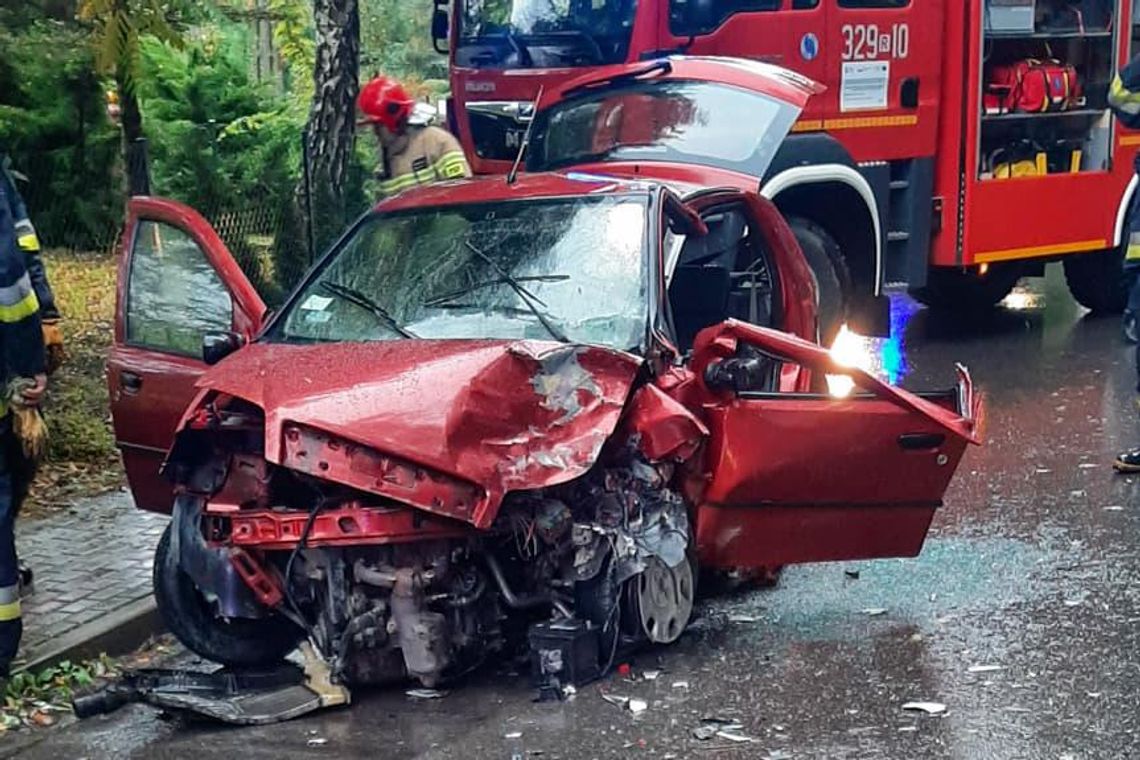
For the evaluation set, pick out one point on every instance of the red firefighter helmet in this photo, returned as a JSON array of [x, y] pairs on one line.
[[385, 101]]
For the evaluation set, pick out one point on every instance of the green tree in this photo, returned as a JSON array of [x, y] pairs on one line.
[[119, 26]]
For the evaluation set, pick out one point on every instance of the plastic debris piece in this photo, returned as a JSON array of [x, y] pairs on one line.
[[614, 699], [930, 708], [1114, 508], [317, 741], [424, 693], [569, 690], [624, 669], [852, 574], [513, 735], [875, 611], [651, 675], [984, 668], [680, 684], [905, 729], [704, 733], [638, 706], [1042, 471], [737, 618], [733, 736]]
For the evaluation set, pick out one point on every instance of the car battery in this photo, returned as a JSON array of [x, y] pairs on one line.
[[1010, 16], [563, 653]]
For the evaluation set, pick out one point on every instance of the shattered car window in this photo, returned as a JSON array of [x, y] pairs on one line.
[[565, 269], [174, 296]]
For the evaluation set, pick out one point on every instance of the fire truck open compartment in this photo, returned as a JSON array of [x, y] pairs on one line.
[[1072, 134]]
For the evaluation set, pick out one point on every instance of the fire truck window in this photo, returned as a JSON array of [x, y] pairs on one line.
[[873, 3], [703, 16]]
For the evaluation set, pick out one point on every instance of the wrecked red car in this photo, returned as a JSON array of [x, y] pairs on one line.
[[501, 412]]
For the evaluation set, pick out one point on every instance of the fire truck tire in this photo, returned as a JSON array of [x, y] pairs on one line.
[[832, 277], [190, 619], [953, 289], [1097, 280]]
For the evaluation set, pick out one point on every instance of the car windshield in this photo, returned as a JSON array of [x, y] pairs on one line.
[[544, 33], [677, 121], [572, 269]]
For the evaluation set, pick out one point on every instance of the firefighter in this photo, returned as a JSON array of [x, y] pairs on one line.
[[23, 358], [29, 245], [413, 152], [1124, 99]]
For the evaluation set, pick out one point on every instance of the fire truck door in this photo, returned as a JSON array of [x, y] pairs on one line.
[[884, 60]]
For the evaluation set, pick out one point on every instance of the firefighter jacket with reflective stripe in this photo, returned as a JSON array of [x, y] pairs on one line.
[[430, 154], [30, 245], [21, 338]]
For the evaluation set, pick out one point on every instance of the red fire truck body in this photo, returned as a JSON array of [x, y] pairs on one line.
[[902, 160]]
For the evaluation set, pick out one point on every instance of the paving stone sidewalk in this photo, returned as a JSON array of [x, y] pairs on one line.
[[91, 563]]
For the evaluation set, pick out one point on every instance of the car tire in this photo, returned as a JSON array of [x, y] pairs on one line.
[[966, 291], [1097, 280], [832, 277], [244, 642]]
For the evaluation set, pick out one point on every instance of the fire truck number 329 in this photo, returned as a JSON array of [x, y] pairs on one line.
[[864, 42]]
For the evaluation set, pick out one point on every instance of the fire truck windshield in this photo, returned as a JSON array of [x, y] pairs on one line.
[[543, 33], [683, 122]]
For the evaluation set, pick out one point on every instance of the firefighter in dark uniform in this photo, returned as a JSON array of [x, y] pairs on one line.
[[413, 152], [29, 244], [22, 357], [1124, 99]]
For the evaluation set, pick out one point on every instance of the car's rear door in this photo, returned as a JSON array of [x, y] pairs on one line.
[[800, 477], [177, 281]]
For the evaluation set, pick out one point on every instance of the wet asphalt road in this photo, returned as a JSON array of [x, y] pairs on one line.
[[1032, 566]]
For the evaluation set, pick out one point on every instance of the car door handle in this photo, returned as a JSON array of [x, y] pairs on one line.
[[921, 441], [130, 382]]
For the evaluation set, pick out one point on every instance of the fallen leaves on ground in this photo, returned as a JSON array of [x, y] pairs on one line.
[[38, 700]]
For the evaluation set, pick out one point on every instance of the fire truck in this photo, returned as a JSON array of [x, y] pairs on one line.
[[916, 167]]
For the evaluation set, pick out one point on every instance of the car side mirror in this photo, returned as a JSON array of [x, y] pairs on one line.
[[440, 27], [218, 345]]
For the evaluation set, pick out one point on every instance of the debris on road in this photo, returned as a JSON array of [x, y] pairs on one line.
[[638, 706], [722, 728], [875, 611], [738, 618], [984, 668], [317, 741], [852, 574], [680, 684], [930, 708], [513, 735], [1114, 508], [424, 693], [651, 675], [614, 699]]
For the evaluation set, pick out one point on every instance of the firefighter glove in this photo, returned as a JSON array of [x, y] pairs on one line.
[[53, 342]]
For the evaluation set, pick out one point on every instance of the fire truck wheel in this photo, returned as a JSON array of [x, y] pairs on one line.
[[193, 622], [832, 278], [953, 289], [1097, 281]]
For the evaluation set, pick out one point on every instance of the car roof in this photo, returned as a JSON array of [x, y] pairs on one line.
[[492, 188]]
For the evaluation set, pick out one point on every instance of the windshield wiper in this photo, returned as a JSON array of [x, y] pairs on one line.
[[445, 297], [524, 295], [357, 298]]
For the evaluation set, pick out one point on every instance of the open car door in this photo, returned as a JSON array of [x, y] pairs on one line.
[[176, 283], [682, 115], [801, 477]]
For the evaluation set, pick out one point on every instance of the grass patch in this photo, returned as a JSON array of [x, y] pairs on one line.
[[82, 460]]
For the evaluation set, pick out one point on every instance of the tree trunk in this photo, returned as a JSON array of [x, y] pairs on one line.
[[134, 146], [332, 119]]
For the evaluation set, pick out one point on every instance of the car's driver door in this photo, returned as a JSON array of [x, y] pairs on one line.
[[803, 477], [177, 282]]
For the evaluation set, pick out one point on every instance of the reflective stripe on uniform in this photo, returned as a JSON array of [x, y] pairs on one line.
[[1122, 98], [396, 184], [9, 602], [451, 165], [18, 301], [28, 242]]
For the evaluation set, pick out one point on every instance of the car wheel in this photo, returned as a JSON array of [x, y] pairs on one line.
[[832, 277], [967, 291], [1097, 280], [184, 609]]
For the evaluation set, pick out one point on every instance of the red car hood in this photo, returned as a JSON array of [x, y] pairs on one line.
[[489, 416]]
